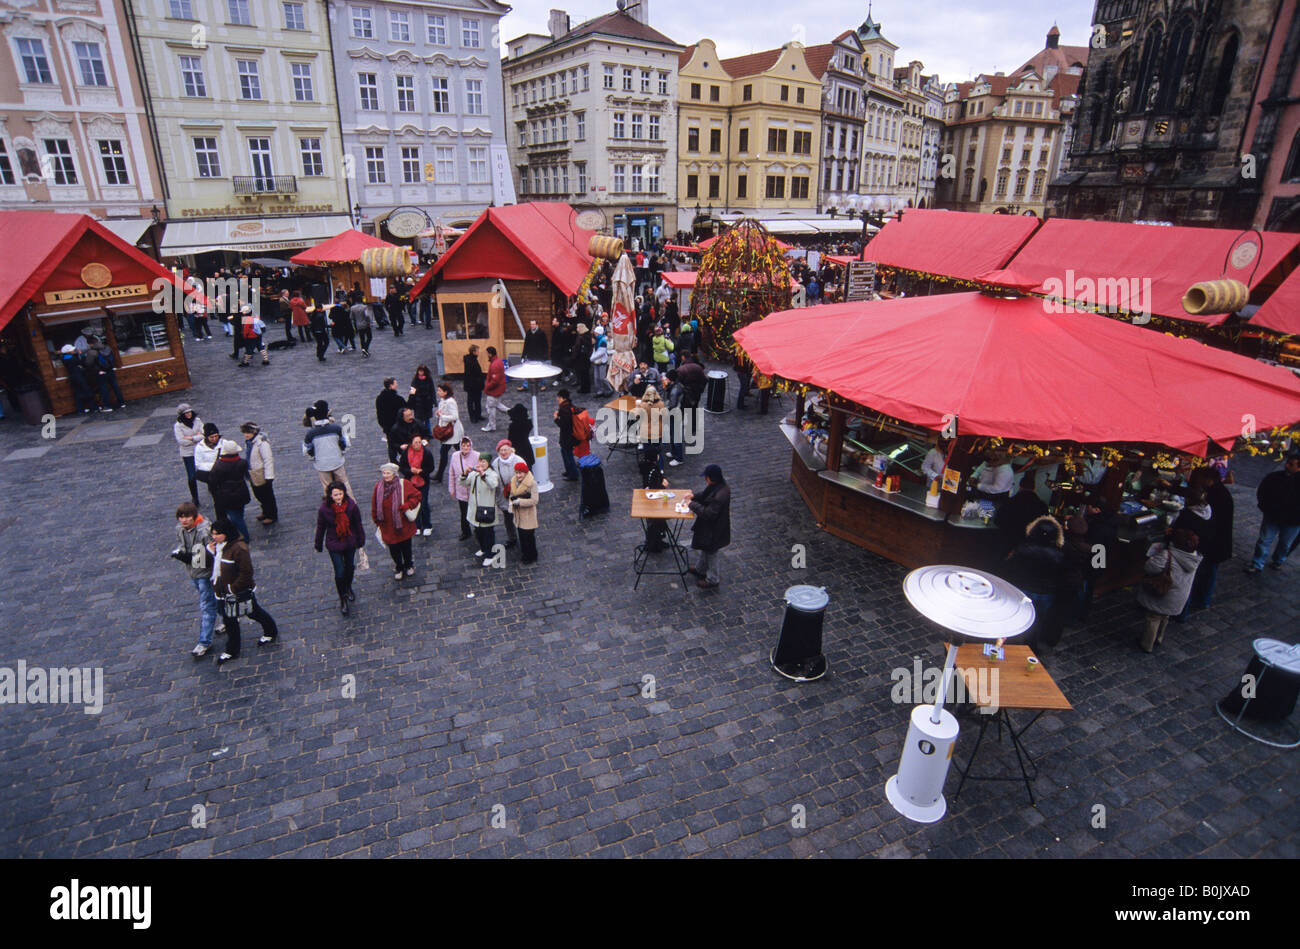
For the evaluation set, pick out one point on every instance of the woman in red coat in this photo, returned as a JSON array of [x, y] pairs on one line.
[[298, 309], [392, 498]]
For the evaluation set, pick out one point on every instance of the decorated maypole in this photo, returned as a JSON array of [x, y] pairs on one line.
[[743, 277], [622, 324]]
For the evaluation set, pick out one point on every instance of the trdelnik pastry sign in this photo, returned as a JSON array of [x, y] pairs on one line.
[[97, 277]]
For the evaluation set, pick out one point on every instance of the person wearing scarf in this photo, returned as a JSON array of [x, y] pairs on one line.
[[522, 497], [712, 529], [339, 530], [389, 502], [503, 463], [461, 464], [261, 468], [416, 464], [482, 483]]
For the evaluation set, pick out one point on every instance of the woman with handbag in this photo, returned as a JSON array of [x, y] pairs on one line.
[[447, 430], [261, 471], [461, 464], [339, 529], [481, 485], [416, 464], [232, 582], [1170, 568], [522, 496], [394, 507]]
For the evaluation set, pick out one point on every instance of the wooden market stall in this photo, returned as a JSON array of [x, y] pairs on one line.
[[65, 276], [342, 256], [1086, 406], [514, 264]]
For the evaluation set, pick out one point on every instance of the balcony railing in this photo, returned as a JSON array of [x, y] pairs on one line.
[[265, 184]]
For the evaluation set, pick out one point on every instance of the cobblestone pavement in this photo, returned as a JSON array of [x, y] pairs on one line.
[[506, 712]]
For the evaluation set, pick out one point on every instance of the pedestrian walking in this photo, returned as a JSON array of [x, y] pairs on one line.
[[396, 307], [284, 313], [227, 482], [661, 347], [711, 531], [344, 334], [205, 455], [325, 443], [462, 463], [482, 483], [494, 387], [196, 314], [188, 432], [564, 421], [340, 532], [388, 406], [193, 535], [519, 430], [261, 471], [320, 329], [232, 582], [1166, 584], [359, 313], [447, 430], [522, 496], [503, 463], [420, 395], [251, 330], [394, 507], [416, 464], [1279, 501], [298, 316], [474, 382]]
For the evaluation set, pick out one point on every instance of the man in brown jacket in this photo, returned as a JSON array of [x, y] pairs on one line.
[[232, 581]]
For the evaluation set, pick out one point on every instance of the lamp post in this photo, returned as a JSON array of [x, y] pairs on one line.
[[356, 216]]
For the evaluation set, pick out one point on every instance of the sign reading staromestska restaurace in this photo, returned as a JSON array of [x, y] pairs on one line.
[[92, 294]]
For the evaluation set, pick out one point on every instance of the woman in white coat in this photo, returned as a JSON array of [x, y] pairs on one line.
[[446, 414]]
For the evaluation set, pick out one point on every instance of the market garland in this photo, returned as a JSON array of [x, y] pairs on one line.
[[743, 277]]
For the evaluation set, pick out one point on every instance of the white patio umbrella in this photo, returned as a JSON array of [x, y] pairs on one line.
[[622, 324]]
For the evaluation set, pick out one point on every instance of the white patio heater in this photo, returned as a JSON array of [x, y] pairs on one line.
[[976, 605], [535, 374]]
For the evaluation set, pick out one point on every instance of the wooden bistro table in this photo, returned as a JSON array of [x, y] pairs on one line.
[[1018, 689], [663, 509], [624, 404]]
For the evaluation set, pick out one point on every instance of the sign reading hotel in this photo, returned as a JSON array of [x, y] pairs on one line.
[[93, 294]]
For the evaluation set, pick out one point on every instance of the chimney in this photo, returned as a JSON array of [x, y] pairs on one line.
[[638, 10], [1053, 37], [558, 24]]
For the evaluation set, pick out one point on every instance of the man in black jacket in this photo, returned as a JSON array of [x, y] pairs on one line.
[[564, 420], [388, 406], [712, 529], [475, 379], [1279, 500], [403, 430]]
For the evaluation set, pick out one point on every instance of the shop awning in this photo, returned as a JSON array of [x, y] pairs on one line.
[[344, 248], [840, 259], [1281, 311], [256, 235], [956, 244], [1007, 368], [47, 251], [683, 248], [539, 240], [1108, 263], [130, 229]]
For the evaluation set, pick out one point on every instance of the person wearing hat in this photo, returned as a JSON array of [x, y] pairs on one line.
[[261, 471], [188, 432], [503, 463], [76, 371], [522, 496], [205, 453], [251, 330], [228, 483], [1279, 502], [325, 444], [481, 485], [712, 528], [232, 582], [390, 502]]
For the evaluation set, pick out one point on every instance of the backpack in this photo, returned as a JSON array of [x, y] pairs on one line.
[[581, 427]]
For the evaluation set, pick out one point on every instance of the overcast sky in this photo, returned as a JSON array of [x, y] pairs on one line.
[[956, 38]]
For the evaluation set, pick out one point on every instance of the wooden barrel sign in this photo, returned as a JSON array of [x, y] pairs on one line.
[[607, 248], [1216, 296], [386, 261]]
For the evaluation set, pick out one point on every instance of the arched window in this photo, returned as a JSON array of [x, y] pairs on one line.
[[1146, 67], [1040, 179], [1171, 76], [1292, 170], [1223, 78]]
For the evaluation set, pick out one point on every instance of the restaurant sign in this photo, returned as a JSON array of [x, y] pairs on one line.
[[93, 294]]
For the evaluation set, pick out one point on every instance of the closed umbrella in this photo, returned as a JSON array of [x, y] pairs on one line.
[[622, 324]]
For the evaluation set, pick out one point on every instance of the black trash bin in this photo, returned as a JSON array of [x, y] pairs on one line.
[[798, 653], [715, 392], [1275, 668]]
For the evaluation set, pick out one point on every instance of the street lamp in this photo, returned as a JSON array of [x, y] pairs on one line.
[[155, 214], [356, 214]]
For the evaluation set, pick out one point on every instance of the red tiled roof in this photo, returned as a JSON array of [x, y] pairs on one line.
[[685, 55], [751, 65], [619, 23], [819, 57], [1063, 57]]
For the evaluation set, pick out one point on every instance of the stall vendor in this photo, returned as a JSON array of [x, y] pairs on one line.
[[935, 462], [995, 478]]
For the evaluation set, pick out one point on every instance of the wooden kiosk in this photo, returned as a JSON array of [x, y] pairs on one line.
[[516, 263], [67, 273]]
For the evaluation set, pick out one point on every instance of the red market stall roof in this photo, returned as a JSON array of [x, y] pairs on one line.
[[1007, 368], [1075, 255], [959, 244], [840, 259], [533, 241], [705, 245], [46, 251], [683, 248], [1281, 311], [685, 279], [342, 248]]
